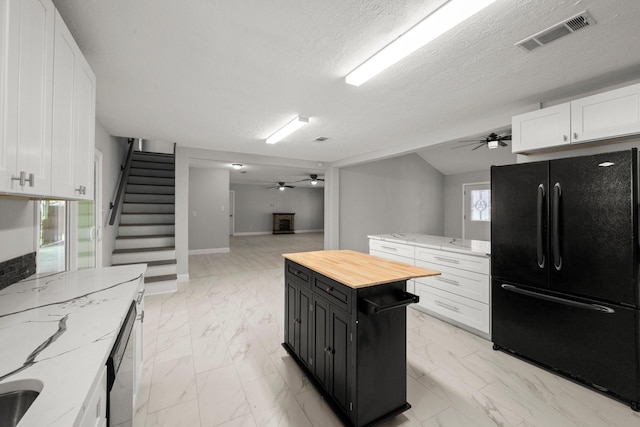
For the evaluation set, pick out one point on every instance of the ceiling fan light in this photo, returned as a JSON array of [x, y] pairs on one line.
[[236, 166], [281, 188], [493, 144], [314, 181], [288, 129], [439, 22]]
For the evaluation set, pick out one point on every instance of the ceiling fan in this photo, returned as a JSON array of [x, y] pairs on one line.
[[281, 186], [313, 178], [492, 141]]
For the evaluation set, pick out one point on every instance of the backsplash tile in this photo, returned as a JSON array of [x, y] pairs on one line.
[[16, 269]]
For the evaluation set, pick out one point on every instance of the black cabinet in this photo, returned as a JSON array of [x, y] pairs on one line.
[[351, 342]]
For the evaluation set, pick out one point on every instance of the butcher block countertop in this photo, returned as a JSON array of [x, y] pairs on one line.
[[357, 270]]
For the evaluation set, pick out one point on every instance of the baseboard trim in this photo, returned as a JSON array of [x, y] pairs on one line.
[[165, 287], [310, 231], [208, 251], [182, 278], [258, 233]]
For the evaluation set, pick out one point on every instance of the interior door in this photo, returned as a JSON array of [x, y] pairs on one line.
[[592, 245], [519, 219], [232, 207]]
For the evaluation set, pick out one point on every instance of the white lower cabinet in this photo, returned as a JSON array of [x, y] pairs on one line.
[[95, 409], [138, 344], [460, 294]]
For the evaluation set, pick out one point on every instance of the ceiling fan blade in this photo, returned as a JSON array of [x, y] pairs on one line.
[[502, 143], [303, 180], [467, 145], [479, 145]]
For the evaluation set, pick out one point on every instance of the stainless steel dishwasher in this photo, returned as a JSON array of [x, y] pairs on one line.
[[120, 375]]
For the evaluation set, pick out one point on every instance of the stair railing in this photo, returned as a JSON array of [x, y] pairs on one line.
[[124, 177]]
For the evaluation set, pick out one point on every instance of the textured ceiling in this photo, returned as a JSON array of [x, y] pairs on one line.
[[224, 75]]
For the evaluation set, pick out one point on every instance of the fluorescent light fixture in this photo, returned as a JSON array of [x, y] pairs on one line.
[[236, 166], [288, 129], [492, 144], [439, 22], [606, 164]]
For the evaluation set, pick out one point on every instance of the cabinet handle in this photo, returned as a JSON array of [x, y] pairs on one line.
[[575, 135], [81, 190], [389, 248], [454, 261], [296, 321], [140, 296], [329, 289], [329, 351], [23, 179], [449, 281], [565, 138], [447, 306]]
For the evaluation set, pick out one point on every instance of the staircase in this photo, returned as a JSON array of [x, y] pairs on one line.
[[146, 233]]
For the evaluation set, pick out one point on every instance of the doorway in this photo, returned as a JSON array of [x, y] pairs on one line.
[[476, 221]]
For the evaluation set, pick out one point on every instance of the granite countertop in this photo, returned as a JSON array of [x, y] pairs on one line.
[[59, 329], [450, 244], [357, 270]]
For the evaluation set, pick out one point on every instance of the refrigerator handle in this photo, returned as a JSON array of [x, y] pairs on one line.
[[577, 304], [540, 248], [557, 258]]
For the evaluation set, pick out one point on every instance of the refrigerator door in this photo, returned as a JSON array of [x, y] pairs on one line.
[[590, 341], [593, 232], [519, 222]]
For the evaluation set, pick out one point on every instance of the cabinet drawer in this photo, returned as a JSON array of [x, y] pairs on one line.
[[392, 257], [335, 292], [391, 248], [460, 261], [299, 272], [460, 309], [467, 284]]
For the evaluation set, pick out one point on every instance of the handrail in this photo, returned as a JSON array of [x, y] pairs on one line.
[[124, 176]]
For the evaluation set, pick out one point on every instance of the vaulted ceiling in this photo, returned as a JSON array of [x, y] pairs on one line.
[[224, 75]]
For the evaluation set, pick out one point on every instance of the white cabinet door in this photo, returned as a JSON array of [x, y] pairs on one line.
[[7, 151], [85, 115], [95, 408], [606, 115], [28, 95], [63, 179], [73, 119], [545, 128]]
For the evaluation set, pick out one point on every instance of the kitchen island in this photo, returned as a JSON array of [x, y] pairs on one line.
[[345, 326], [57, 332]]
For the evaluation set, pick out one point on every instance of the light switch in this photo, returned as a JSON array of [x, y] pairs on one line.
[[194, 213]]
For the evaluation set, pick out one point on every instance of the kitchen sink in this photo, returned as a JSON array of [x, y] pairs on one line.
[[15, 399]]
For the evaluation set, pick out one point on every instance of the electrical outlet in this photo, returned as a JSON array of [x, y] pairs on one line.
[[194, 213]]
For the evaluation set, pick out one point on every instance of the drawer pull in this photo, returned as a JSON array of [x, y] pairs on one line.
[[329, 289], [389, 248], [296, 321], [140, 295], [449, 281], [453, 261], [447, 306], [329, 351]]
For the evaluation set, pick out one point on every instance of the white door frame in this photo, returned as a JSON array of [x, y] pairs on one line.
[[97, 198], [464, 201], [232, 212]]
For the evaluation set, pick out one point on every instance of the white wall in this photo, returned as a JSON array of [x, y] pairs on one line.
[[402, 194], [208, 209], [114, 152], [453, 199], [255, 205]]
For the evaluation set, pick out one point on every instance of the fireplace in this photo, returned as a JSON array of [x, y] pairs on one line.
[[283, 223]]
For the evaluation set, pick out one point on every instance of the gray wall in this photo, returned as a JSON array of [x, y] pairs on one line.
[[255, 205], [401, 194], [209, 200], [17, 228], [453, 199], [114, 151]]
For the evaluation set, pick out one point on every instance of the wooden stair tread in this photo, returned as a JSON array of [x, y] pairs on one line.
[[146, 236], [147, 224], [151, 263], [137, 250]]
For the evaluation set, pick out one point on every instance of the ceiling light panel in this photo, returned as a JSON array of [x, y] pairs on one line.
[[434, 25], [288, 129]]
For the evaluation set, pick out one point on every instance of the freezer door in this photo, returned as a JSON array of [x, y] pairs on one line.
[[593, 342], [519, 222], [592, 227]]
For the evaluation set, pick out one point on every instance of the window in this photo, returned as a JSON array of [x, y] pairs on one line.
[[480, 205], [52, 242]]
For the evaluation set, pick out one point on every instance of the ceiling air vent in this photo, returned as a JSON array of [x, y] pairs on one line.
[[564, 28], [320, 139]]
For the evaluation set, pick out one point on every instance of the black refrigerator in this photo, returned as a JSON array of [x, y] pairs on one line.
[[564, 266]]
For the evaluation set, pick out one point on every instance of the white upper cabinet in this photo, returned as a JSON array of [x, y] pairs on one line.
[[607, 115], [611, 114], [73, 119], [27, 60], [47, 105], [545, 128]]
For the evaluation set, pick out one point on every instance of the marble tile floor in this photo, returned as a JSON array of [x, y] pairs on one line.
[[213, 358]]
